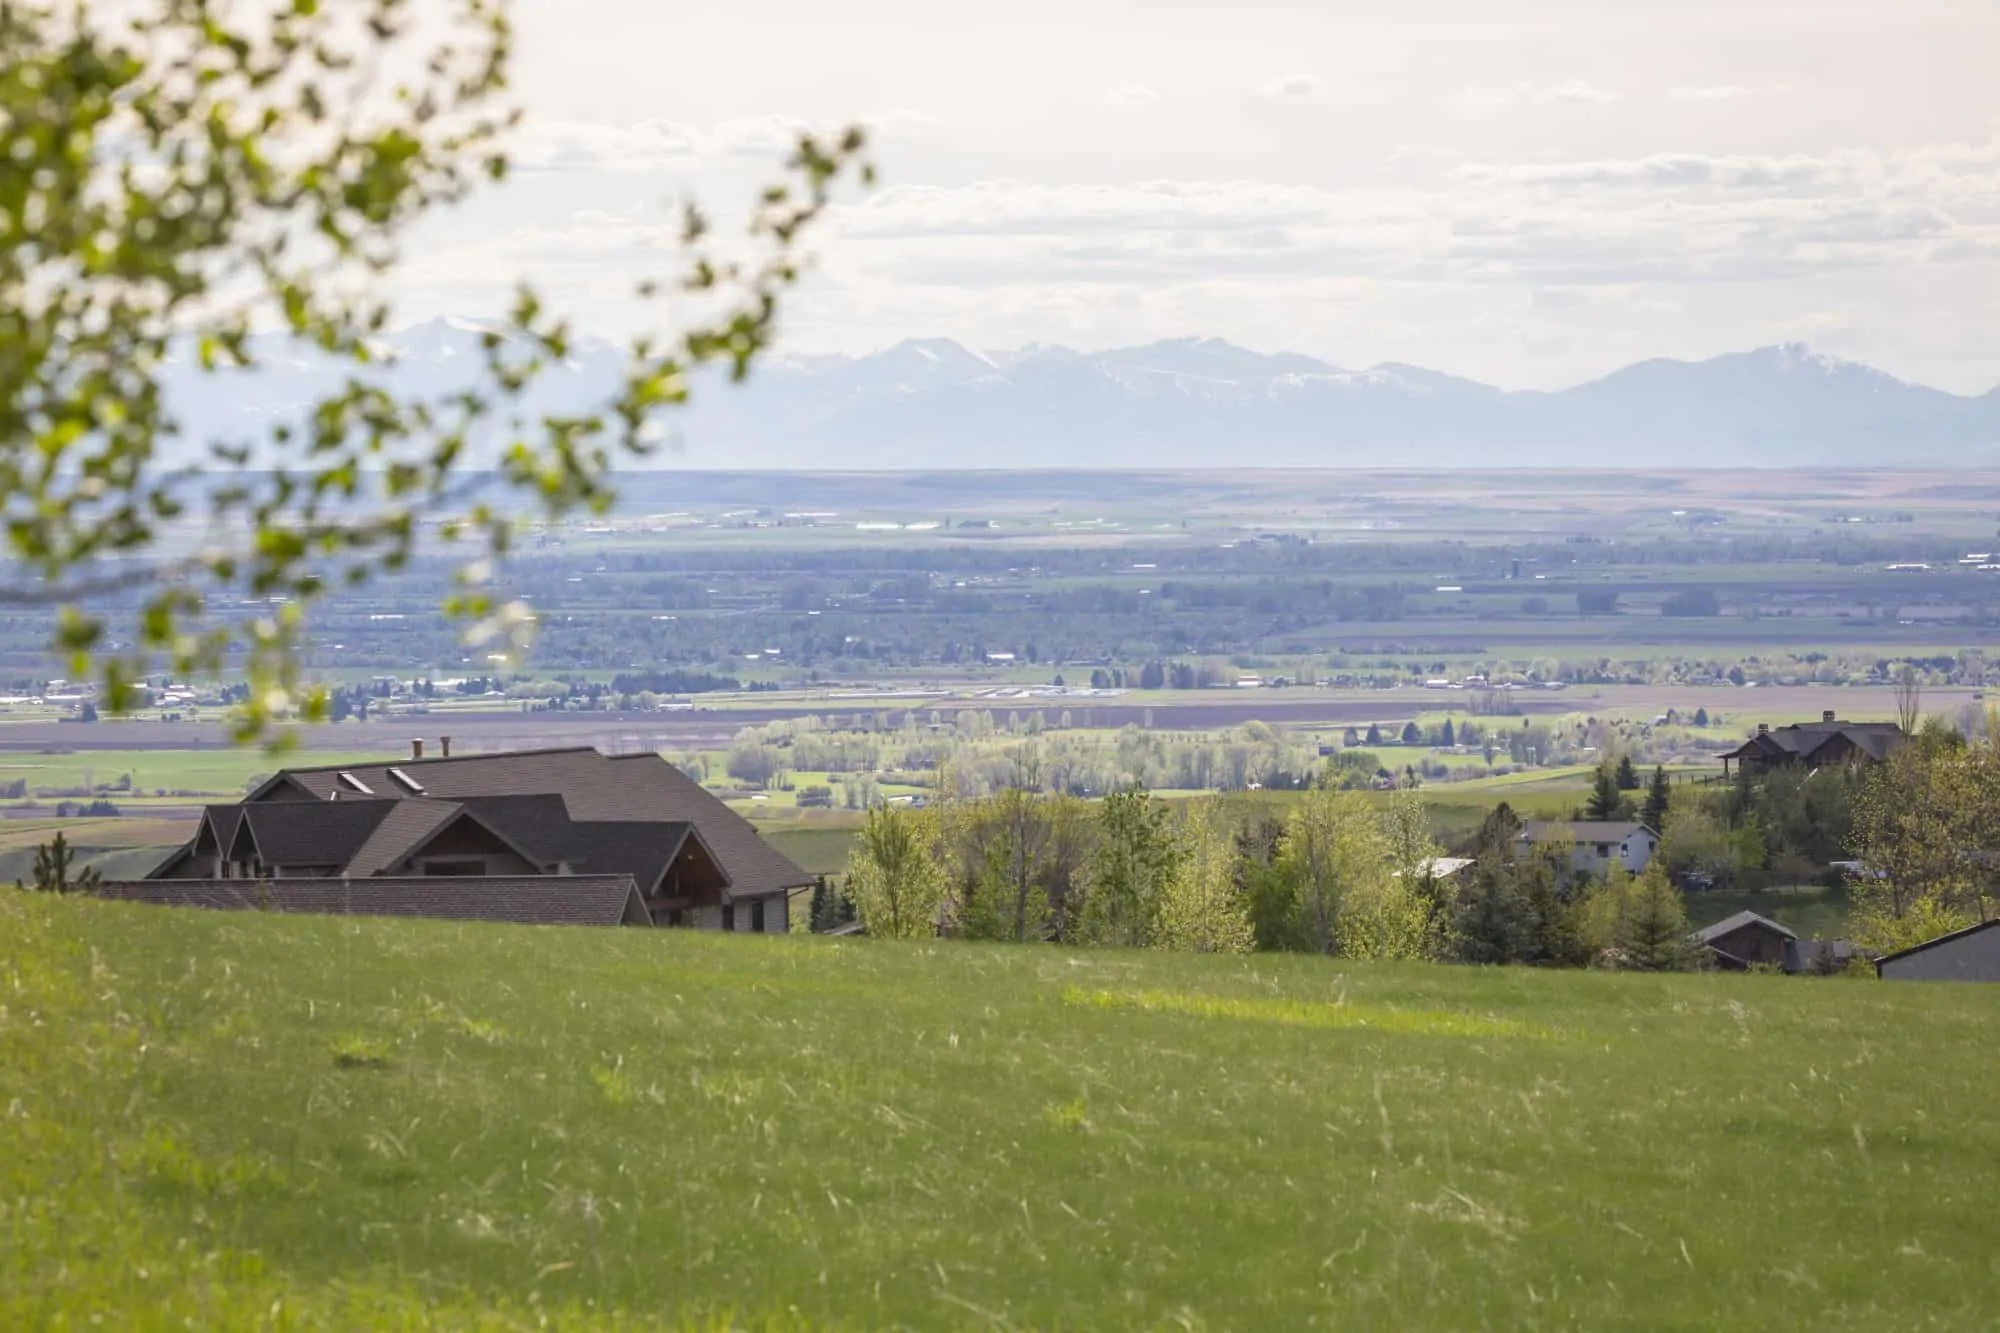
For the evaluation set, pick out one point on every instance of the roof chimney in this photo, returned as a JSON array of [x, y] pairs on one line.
[[417, 748], [1763, 729], [444, 742], [1827, 716]]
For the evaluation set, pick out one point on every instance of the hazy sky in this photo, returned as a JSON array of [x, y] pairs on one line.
[[1527, 193]]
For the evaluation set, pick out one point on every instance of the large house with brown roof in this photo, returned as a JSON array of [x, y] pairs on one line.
[[1811, 745], [569, 835]]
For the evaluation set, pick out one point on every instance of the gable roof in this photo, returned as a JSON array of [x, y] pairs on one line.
[[594, 787], [1583, 830], [1729, 925], [308, 833], [405, 828], [1949, 937], [1801, 740], [533, 900]]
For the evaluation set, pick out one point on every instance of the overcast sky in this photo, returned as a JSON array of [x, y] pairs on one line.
[[1526, 193]]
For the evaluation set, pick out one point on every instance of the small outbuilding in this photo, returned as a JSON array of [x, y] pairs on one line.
[[1746, 940], [1971, 954]]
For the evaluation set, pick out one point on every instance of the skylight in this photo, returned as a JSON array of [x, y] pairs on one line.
[[409, 783], [352, 783]]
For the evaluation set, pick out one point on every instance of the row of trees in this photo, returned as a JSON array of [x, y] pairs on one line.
[[1340, 874]]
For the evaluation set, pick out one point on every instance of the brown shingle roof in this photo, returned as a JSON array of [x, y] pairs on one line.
[[311, 833], [536, 900], [406, 825], [595, 788], [1802, 739]]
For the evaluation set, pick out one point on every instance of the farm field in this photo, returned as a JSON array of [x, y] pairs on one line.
[[231, 1120]]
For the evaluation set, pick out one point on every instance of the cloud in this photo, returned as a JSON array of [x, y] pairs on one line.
[[1662, 171], [1295, 87], [1533, 252], [1573, 92], [655, 144], [1131, 95], [1719, 92]]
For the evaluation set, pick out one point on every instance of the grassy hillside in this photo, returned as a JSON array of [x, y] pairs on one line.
[[247, 1120]]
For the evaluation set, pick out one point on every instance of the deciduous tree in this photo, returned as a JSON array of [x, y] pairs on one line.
[[894, 875], [180, 173], [1201, 909]]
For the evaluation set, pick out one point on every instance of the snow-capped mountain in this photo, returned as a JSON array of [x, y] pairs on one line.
[[1186, 402]]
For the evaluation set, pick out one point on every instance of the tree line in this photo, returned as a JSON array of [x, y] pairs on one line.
[[1339, 873]]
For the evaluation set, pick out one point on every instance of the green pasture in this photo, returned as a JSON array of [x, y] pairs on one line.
[[220, 770], [234, 1121]]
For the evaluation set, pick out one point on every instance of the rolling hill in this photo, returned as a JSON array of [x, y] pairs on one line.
[[224, 1120]]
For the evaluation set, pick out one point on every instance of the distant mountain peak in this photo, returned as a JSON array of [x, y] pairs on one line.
[[1194, 401]]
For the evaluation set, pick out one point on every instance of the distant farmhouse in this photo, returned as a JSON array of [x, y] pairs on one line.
[[1811, 745], [1596, 845], [568, 836]]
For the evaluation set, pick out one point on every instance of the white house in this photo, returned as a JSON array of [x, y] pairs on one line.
[[1597, 845]]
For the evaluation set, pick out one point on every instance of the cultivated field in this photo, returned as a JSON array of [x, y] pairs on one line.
[[223, 1120]]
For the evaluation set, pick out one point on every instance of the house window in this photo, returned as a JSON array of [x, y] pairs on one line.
[[757, 916], [729, 916], [1604, 849]]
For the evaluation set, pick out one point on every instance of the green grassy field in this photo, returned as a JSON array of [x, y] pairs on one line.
[[217, 771], [1811, 911], [238, 1120]]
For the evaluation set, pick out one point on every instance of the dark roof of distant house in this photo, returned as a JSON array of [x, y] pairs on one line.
[[1582, 830], [1800, 955], [223, 820], [1948, 937], [1729, 925], [301, 833], [1803, 739], [595, 788], [534, 900], [400, 833]]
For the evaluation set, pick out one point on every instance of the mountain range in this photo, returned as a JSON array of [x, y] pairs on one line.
[[933, 403]]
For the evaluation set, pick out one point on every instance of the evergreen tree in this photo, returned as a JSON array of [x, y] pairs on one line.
[[56, 870], [1658, 797], [1497, 832], [1628, 776], [1486, 926], [1701, 717], [1606, 801], [1350, 738], [1450, 739], [1552, 931], [1127, 870], [1412, 734], [1374, 734], [1653, 928]]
